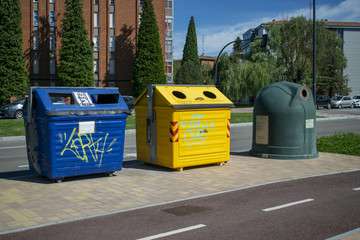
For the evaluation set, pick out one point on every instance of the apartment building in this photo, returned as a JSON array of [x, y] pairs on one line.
[[349, 32], [113, 26]]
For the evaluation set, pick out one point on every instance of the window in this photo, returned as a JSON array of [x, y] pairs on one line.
[[168, 4], [112, 67], [96, 19], [52, 43], [36, 42], [96, 43], [112, 20], [112, 2], [168, 46], [52, 1], [35, 1], [36, 18], [96, 66], [36, 64], [52, 18], [112, 43], [52, 65], [96, 1]]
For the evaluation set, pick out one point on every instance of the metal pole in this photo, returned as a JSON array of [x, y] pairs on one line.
[[217, 60], [314, 53]]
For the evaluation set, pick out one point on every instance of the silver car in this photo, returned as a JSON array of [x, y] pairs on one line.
[[356, 99], [13, 110], [342, 101]]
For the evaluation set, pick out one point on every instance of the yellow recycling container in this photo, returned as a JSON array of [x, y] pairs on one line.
[[180, 126]]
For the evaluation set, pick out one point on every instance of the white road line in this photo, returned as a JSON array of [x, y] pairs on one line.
[[23, 166], [173, 232], [12, 147], [130, 155], [356, 189], [287, 205]]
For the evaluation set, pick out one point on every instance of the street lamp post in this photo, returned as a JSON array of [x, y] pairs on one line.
[[314, 53]]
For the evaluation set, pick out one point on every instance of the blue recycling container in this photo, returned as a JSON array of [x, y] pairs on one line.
[[74, 131]]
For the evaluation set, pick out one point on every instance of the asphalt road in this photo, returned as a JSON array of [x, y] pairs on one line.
[[13, 158], [311, 208]]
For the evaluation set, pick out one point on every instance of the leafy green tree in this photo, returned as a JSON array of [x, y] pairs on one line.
[[190, 54], [13, 75], [149, 62], [189, 73], [237, 46], [291, 45], [76, 53], [207, 74], [330, 62]]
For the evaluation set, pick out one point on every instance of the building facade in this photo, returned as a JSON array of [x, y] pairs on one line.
[[113, 26], [349, 32]]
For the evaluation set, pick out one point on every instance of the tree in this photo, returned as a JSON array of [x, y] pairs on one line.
[[149, 62], [237, 46], [76, 53], [330, 62], [190, 54], [13, 75], [291, 44], [189, 73]]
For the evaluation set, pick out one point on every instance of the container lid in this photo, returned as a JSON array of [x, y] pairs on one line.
[[62, 101], [188, 96]]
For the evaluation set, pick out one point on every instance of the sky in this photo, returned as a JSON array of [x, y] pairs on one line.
[[218, 22]]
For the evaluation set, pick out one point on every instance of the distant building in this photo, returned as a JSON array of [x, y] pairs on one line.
[[169, 40], [349, 32], [113, 27], [207, 60]]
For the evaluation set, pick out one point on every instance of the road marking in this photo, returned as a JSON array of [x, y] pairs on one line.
[[173, 232], [12, 147], [130, 155], [287, 205], [356, 189], [23, 166]]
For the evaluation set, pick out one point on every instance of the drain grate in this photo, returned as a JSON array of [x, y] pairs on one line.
[[185, 210]]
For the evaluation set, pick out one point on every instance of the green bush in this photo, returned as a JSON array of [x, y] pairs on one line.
[[345, 143]]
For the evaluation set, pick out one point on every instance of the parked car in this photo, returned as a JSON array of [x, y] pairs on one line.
[[13, 110], [356, 100], [323, 101], [342, 101], [129, 100]]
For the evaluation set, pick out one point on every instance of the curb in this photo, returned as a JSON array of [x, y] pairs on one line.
[[130, 131]]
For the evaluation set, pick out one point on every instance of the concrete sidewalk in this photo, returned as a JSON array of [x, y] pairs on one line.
[[30, 202]]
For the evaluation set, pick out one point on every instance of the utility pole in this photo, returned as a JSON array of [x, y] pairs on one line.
[[314, 53]]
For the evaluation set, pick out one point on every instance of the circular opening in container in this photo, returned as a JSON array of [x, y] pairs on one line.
[[304, 93], [179, 94], [209, 94]]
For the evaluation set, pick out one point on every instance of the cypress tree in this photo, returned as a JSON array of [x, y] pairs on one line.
[[75, 54], [149, 65], [13, 74], [190, 53]]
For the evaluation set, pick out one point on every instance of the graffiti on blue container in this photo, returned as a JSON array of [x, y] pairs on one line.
[[84, 147], [197, 129]]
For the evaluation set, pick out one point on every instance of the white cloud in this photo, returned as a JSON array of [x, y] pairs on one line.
[[218, 36]]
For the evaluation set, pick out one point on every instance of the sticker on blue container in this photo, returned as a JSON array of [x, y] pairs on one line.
[[83, 99], [86, 127]]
